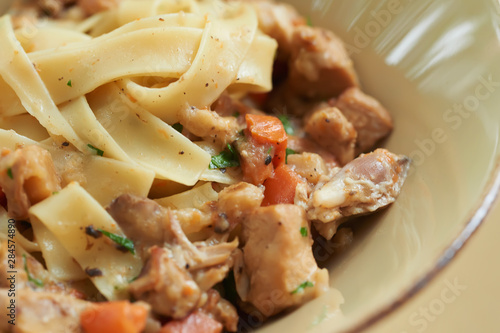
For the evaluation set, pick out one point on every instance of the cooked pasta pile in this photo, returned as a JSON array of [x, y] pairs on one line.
[[166, 100]]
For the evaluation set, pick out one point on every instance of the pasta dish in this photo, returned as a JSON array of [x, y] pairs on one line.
[[167, 165]]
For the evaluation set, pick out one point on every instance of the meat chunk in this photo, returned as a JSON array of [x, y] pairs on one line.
[[278, 20], [237, 201], [368, 183], [173, 282], [27, 177], [331, 130], [278, 265], [194, 220], [169, 289], [370, 119], [148, 224], [213, 263], [221, 310], [195, 322], [176, 267], [142, 221], [43, 312], [95, 6], [282, 99], [320, 67], [209, 125], [308, 165], [305, 144], [228, 106]]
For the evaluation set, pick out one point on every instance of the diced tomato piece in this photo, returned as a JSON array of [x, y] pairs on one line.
[[280, 189], [114, 317], [268, 130]]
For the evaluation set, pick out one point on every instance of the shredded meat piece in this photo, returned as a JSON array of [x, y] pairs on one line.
[[209, 125], [277, 260], [42, 312], [370, 119], [320, 67], [194, 220], [148, 224], [172, 286], [331, 130], [174, 263], [169, 289], [27, 176], [366, 184], [195, 322], [221, 310]]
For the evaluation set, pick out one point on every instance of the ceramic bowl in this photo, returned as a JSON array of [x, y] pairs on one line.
[[435, 65]]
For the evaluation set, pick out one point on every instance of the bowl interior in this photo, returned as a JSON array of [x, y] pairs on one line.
[[432, 63]]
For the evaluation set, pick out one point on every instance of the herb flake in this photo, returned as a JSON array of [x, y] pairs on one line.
[[36, 282], [178, 127], [121, 241], [302, 286], [9, 173], [309, 21], [69, 84], [286, 124], [227, 158], [303, 231], [97, 150]]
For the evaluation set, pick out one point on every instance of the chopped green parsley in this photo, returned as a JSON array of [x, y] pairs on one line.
[[178, 127], [286, 124], [97, 150], [9, 173], [227, 158], [121, 241], [36, 282], [302, 286]]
